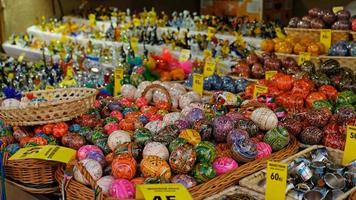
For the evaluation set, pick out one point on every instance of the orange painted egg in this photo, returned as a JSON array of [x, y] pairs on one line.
[[154, 166], [191, 135], [124, 166]]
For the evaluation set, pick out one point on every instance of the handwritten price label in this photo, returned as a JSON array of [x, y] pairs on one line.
[[184, 55], [325, 37], [172, 191], [211, 33], [350, 145], [303, 56], [337, 9], [134, 44], [118, 76], [209, 67], [259, 89], [270, 74], [198, 83], [21, 57], [276, 180]]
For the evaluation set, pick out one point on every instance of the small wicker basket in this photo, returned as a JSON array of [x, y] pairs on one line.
[[314, 34], [61, 105]]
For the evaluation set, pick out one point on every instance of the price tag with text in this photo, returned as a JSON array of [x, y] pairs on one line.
[[172, 191], [118, 75], [207, 54], [270, 74], [276, 181], [337, 9], [92, 19], [136, 22], [325, 37], [209, 67], [303, 56], [350, 145], [21, 57], [184, 55], [47, 152], [198, 83], [279, 33], [259, 89], [134, 44], [211, 33]]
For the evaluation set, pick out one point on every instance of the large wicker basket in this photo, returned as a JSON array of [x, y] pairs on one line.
[[32, 175], [77, 191], [234, 192], [61, 105], [314, 34], [251, 182]]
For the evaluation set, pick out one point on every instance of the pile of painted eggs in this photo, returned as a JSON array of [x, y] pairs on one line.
[[343, 48]]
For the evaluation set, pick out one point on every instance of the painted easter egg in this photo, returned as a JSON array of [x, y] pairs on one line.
[[263, 150], [154, 166], [265, 118], [122, 189], [203, 172], [223, 165], [185, 180], [156, 149], [84, 150], [118, 137], [124, 166], [277, 138], [182, 159], [191, 135], [104, 183], [93, 167], [206, 151]]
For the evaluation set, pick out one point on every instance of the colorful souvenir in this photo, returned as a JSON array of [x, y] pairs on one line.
[[182, 159], [185, 180], [92, 166], [142, 136], [203, 172], [265, 118], [156, 149], [171, 118], [130, 148], [124, 166], [155, 126], [263, 149], [84, 150], [97, 157], [122, 189], [223, 165], [182, 124], [166, 135], [277, 138], [318, 117], [206, 151], [195, 114], [104, 183], [222, 126], [118, 137], [154, 166], [236, 135], [191, 135], [176, 143], [204, 127], [244, 151], [311, 135], [128, 91]]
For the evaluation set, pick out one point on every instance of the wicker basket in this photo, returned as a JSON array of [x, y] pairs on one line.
[[163, 90], [345, 61], [233, 192], [314, 34], [252, 182], [353, 34], [62, 105], [32, 175], [78, 191]]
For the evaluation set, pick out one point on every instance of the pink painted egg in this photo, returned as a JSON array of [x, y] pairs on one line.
[[122, 189], [83, 151], [223, 165], [263, 149]]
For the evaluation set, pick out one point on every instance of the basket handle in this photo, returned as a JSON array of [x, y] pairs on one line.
[[160, 87]]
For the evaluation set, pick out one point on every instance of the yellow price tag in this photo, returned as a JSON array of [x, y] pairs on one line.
[[270, 74], [184, 55], [337, 9], [47, 152], [136, 22], [259, 89], [325, 37], [276, 181], [118, 76], [198, 83], [92, 19], [303, 56], [49, 87], [211, 32], [21, 57], [169, 191], [207, 54], [134, 44], [279, 33], [350, 145], [63, 38], [209, 67]]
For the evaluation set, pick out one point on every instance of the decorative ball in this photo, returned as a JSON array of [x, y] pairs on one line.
[[97, 156], [195, 114], [204, 127], [223, 165], [156, 149], [292, 125], [154, 166], [319, 117], [311, 135], [118, 137], [191, 135], [104, 183], [265, 118], [185, 180], [249, 126], [122, 189], [142, 136], [171, 118], [277, 138], [94, 169], [141, 87], [182, 124], [176, 143], [244, 151], [130, 148], [263, 149], [236, 135], [222, 126], [83, 151], [182, 159], [223, 149], [124, 166], [206, 151], [167, 134], [155, 126], [203, 172], [128, 91]]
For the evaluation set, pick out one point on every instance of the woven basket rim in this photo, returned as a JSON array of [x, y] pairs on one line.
[[52, 103], [315, 30]]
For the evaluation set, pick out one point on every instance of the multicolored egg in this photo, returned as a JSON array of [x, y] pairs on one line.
[[204, 127], [263, 150], [182, 159], [167, 134], [203, 172], [236, 135], [171, 118], [277, 138], [244, 151], [97, 156], [83, 151], [265, 118], [154, 166], [185, 180], [118, 137], [104, 183], [130, 148], [128, 91], [92, 166], [191, 135], [182, 124], [176, 143], [124, 166], [155, 126], [195, 114], [206, 151], [249, 126], [122, 189], [222, 126], [156, 149], [142, 136], [223, 165]]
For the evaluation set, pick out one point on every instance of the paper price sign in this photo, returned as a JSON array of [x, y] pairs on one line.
[[337, 9], [276, 180], [136, 22], [92, 20], [198, 83], [184, 55], [172, 191], [350, 145], [118, 76], [134, 43], [270, 74], [21, 57], [47, 152], [279, 33], [303, 56], [208, 53], [325, 37], [259, 89], [211, 32], [209, 67]]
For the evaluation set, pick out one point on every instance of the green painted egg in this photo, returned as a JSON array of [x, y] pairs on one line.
[[206, 151]]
